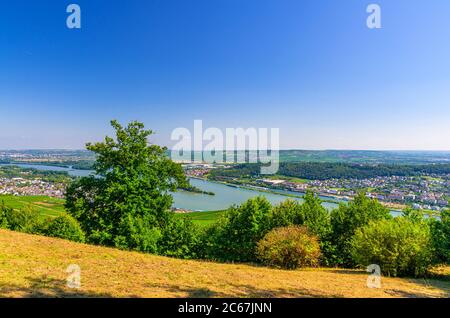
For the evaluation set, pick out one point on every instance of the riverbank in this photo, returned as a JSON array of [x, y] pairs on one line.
[[333, 199]]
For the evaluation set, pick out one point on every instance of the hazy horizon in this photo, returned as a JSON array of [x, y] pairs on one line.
[[293, 149]]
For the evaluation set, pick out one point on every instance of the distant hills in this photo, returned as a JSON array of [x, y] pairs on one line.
[[330, 156], [366, 156]]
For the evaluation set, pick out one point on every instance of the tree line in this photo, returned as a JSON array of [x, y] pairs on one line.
[[325, 171]]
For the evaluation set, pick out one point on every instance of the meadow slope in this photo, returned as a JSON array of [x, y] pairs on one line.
[[35, 266]]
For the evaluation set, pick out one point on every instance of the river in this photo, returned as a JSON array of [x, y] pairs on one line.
[[225, 195]]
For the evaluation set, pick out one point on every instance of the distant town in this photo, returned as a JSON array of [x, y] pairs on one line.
[[36, 187]]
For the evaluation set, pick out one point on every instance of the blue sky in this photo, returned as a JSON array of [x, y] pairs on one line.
[[311, 68]]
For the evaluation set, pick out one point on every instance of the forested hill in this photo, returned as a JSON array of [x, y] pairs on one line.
[[324, 171]]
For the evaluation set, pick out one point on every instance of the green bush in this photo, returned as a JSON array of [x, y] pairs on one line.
[[289, 247], [345, 220], [235, 235], [65, 227], [136, 233], [286, 213], [310, 213], [180, 238], [315, 216], [24, 220], [440, 235], [401, 247]]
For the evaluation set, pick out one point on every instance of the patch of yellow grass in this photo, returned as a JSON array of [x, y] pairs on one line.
[[45, 204], [36, 266]]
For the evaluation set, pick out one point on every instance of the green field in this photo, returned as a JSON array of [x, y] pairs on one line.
[[52, 207], [203, 218], [46, 206]]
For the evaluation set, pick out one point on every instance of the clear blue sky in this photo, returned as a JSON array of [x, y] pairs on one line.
[[311, 68]]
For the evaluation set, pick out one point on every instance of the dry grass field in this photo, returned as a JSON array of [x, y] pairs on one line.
[[35, 266]]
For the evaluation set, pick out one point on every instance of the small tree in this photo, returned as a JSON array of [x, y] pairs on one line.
[[315, 216], [346, 219], [65, 227], [180, 238], [310, 213], [127, 203], [235, 235], [400, 247], [317, 219]]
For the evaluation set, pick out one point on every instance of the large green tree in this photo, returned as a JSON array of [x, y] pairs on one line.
[[126, 204]]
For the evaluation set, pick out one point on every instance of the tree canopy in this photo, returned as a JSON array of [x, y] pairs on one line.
[[128, 200]]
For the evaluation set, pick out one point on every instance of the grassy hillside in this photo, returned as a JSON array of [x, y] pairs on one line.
[[36, 266]]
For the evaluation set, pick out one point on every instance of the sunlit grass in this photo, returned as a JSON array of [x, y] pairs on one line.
[[33, 265]]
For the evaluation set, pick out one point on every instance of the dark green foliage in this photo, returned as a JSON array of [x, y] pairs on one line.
[[317, 220], [24, 220], [345, 220], [65, 227], [315, 216], [440, 234], [82, 164], [127, 203], [235, 235], [289, 247], [138, 232], [180, 238], [286, 213], [310, 213], [400, 247]]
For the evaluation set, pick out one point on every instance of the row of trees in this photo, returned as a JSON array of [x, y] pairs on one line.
[[359, 233]]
